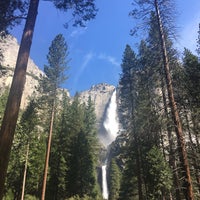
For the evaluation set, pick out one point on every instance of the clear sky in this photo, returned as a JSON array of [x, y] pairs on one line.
[[96, 51]]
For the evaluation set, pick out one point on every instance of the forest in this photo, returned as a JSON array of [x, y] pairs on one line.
[[51, 151]]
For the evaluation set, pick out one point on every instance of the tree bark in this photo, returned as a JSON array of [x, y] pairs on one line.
[[25, 172], [16, 90], [48, 153], [170, 140], [178, 127]]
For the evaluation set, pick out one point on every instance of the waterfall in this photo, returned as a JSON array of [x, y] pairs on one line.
[[111, 123], [104, 183], [111, 126]]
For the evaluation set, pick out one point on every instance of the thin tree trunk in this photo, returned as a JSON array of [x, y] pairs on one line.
[[16, 90], [48, 152], [178, 127], [25, 172]]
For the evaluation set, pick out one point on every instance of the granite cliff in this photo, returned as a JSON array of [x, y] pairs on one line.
[[10, 49]]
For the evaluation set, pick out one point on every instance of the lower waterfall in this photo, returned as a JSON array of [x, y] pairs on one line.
[[111, 126], [104, 183]]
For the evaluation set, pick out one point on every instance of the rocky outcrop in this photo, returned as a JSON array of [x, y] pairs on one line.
[[10, 49]]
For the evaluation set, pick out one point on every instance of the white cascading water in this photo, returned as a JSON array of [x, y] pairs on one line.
[[104, 183], [111, 123], [111, 126]]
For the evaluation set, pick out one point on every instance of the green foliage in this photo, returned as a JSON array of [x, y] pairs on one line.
[[56, 68], [143, 102], [30, 197], [114, 180], [127, 86], [3, 100], [128, 189], [159, 176], [86, 197], [192, 72], [74, 152], [142, 11], [90, 118], [11, 13], [56, 57], [81, 179], [26, 133], [82, 11], [56, 187]]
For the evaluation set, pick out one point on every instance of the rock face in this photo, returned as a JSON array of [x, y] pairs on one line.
[[10, 50], [100, 95]]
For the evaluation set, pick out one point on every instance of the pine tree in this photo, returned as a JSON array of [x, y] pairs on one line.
[[159, 176], [192, 71], [190, 85], [129, 177], [11, 13], [82, 151], [21, 166], [55, 75], [114, 180], [127, 86], [56, 186], [127, 107], [163, 14], [158, 82]]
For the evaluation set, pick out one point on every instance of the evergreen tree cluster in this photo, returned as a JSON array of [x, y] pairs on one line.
[[72, 160], [153, 168], [12, 11]]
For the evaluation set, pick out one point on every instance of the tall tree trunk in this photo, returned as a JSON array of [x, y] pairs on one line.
[[16, 90], [178, 127], [171, 151], [25, 172], [48, 152]]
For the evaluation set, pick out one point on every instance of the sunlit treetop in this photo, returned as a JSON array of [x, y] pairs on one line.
[[82, 10], [142, 12]]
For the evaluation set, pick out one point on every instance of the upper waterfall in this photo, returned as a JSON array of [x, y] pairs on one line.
[[111, 124]]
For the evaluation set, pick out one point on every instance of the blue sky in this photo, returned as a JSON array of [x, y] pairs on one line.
[[96, 51]]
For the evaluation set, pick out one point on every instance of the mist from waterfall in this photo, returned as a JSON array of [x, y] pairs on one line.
[[111, 126]]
